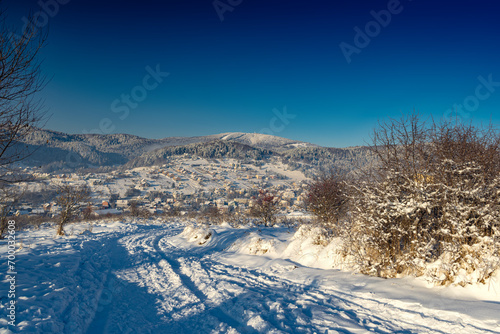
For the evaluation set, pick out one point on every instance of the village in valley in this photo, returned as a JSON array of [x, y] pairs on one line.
[[182, 185]]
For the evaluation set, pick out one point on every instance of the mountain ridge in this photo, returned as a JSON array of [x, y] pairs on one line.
[[50, 146], [57, 150]]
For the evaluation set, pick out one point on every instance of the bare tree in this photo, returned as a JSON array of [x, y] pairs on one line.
[[213, 214], [464, 143], [137, 211], [265, 207], [401, 145], [327, 199], [87, 211], [20, 80], [70, 198], [134, 209]]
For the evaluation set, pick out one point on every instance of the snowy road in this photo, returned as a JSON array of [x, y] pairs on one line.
[[172, 289], [151, 279]]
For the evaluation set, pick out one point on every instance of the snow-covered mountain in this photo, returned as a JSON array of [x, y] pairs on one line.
[[256, 140], [212, 149], [54, 150], [263, 141], [52, 146]]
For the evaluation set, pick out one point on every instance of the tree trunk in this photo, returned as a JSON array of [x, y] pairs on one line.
[[3, 227], [60, 227], [60, 230]]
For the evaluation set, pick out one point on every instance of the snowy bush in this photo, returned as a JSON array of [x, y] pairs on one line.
[[198, 234], [326, 199], [312, 245], [432, 207], [254, 244], [391, 232], [317, 234], [468, 222]]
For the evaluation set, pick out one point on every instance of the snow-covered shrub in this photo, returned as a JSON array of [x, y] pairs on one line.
[[432, 206], [317, 234], [391, 229], [468, 223], [467, 265], [402, 225], [326, 199], [260, 246], [254, 244], [312, 245], [199, 234]]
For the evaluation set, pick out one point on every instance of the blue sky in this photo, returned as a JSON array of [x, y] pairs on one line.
[[269, 66]]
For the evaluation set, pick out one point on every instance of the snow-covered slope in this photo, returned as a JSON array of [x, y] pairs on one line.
[[166, 277], [214, 150], [75, 149], [263, 141], [54, 150]]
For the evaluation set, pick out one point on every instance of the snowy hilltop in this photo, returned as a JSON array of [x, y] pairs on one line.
[[54, 150]]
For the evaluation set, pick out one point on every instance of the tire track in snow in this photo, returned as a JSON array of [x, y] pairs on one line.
[[362, 312], [260, 286], [358, 309], [157, 275], [214, 310], [127, 307], [275, 290], [281, 304]]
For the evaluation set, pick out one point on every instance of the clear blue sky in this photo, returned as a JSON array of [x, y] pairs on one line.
[[229, 75]]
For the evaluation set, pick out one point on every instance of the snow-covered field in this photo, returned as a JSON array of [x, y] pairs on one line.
[[171, 277]]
